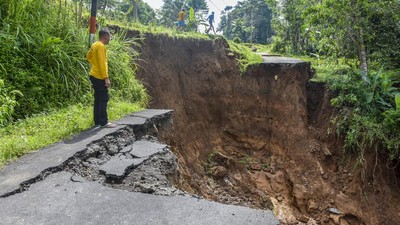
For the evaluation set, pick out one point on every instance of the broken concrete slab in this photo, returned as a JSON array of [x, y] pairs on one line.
[[152, 113], [145, 148], [117, 166], [156, 175], [131, 120], [58, 200], [30, 166]]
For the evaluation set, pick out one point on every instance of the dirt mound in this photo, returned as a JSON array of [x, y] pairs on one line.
[[260, 139]]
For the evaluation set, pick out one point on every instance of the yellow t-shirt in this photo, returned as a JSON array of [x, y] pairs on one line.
[[181, 16], [97, 57]]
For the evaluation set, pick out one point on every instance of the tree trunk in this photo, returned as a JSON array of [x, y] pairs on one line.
[[362, 52], [135, 10]]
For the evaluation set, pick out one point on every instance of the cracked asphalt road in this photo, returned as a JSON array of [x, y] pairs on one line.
[[37, 189]]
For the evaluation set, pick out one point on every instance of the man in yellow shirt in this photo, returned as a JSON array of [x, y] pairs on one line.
[[181, 19], [97, 57]]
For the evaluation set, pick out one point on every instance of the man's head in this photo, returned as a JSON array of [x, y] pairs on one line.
[[104, 36], [212, 13], [183, 10]]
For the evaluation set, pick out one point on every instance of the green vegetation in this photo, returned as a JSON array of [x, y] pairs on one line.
[[248, 21], [369, 111], [49, 127], [246, 57], [365, 31], [124, 10], [368, 106]]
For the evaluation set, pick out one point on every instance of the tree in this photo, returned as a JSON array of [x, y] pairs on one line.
[[354, 29], [249, 20], [169, 11], [198, 5], [134, 10]]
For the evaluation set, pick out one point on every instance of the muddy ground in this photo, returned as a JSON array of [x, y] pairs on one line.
[[262, 139]]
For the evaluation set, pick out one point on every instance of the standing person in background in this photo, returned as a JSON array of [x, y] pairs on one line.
[[181, 19], [211, 21], [97, 57]]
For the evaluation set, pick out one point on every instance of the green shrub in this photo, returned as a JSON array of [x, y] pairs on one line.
[[369, 112], [7, 103], [237, 40]]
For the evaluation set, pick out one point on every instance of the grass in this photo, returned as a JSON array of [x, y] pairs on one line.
[[41, 130], [246, 56], [260, 47]]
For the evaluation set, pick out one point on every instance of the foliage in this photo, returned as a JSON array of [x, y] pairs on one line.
[[122, 68], [42, 56], [250, 21], [49, 127], [124, 10], [369, 111], [7, 103], [364, 30]]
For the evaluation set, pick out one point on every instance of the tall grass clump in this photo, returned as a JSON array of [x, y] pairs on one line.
[[121, 61]]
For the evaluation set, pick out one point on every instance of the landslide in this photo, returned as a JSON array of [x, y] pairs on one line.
[[262, 139]]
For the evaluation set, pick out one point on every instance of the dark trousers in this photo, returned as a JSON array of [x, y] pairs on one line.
[[100, 101]]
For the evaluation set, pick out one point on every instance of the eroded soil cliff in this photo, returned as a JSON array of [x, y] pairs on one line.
[[262, 139]]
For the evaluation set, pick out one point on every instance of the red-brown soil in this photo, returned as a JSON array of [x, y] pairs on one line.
[[262, 139]]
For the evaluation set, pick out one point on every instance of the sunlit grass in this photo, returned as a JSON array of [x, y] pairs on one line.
[[41, 130], [246, 56]]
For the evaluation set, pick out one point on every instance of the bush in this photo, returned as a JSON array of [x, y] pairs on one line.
[[7, 103], [237, 40], [369, 115]]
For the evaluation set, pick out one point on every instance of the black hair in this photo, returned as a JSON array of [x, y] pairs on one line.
[[103, 32]]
